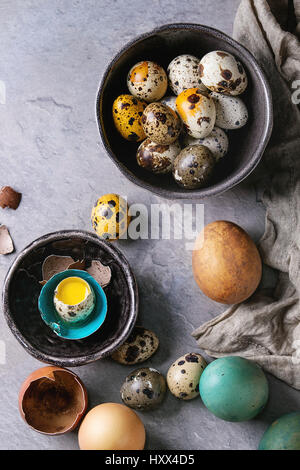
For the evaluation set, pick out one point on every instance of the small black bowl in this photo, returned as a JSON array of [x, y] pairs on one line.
[[162, 45], [21, 291]]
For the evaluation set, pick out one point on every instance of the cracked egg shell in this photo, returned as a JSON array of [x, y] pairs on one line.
[[148, 81], [144, 389], [161, 124], [184, 375], [127, 111], [110, 218], [52, 400], [139, 347], [221, 72], [193, 167], [183, 73], [231, 111], [216, 141], [197, 111], [157, 158]]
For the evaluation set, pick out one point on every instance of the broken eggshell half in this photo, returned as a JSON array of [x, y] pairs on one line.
[[52, 400], [77, 330]]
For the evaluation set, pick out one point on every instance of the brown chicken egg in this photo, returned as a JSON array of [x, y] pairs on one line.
[[197, 111], [161, 124], [52, 400], [148, 81], [226, 263], [127, 112]]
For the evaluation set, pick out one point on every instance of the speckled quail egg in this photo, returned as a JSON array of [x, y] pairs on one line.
[[221, 72], [161, 124], [148, 81], [216, 141], [144, 389], [139, 346], [184, 375], [193, 167], [110, 218], [197, 111], [231, 111], [183, 73], [157, 158], [170, 101], [127, 113]]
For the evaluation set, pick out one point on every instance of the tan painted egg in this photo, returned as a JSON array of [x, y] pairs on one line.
[[157, 158], [184, 375], [161, 124], [148, 81], [197, 111], [221, 72], [127, 112]]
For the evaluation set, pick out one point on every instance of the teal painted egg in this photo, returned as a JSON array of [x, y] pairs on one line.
[[283, 434], [234, 389]]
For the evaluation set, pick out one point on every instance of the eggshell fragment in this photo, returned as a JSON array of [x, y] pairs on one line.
[[6, 243], [55, 264], [100, 272], [139, 347], [231, 111], [9, 198]]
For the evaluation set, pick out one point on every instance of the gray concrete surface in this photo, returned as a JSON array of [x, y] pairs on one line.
[[52, 56]]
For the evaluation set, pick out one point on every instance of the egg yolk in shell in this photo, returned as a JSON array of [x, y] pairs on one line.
[[72, 290]]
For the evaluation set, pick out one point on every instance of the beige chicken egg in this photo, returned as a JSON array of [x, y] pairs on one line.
[[184, 375], [161, 124], [148, 81]]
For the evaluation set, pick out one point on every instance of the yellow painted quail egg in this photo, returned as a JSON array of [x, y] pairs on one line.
[[161, 124], [231, 111], [157, 158], [197, 111], [148, 81], [183, 74], [193, 167], [110, 218], [221, 72], [127, 113], [216, 141], [184, 375]]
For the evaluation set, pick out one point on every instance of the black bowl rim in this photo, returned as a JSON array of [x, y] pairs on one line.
[[257, 155], [132, 285]]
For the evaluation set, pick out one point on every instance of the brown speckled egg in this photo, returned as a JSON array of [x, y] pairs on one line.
[[139, 346], [157, 158], [221, 72], [161, 124], [184, 375], [216, 141], [143, 389], [127, 113], [183, 74], [148, 81], [197, 111], [193, 167]]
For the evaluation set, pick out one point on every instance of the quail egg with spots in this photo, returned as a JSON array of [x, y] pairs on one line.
[[183, 74], [231, 111], [139, 346], [193, 167], [216, 141], [197, 111], [148, 81], [157, 158], [221, 72], [170, 101], [110, 218], [144, 389], [161, 124], [127, 113], [184, 375]]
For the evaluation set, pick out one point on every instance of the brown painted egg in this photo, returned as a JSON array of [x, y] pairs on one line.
[[226, 263], [221, 72], [148, 81], [197, 111], [193, 167], [139, 346], [184, 375], [157, 158], [127, 113], [161, 124]]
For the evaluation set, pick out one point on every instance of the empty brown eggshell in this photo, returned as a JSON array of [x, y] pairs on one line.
[[9, 198], [100, 272], [6, 243], [55, 264], [52, 400]]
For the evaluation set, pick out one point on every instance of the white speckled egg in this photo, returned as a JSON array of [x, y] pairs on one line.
[[170, 101], [217, 142], [183, 73], [231, 112], [197, 111], [148, 81], [74, 299], [157, 158], [221, 72], [184, 375]]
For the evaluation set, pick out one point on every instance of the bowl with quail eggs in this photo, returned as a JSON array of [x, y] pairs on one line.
[[184, 111]]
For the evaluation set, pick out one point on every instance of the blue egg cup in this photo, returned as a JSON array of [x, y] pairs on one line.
[[53, 320]]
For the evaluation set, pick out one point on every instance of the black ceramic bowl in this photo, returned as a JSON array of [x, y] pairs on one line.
[[162, 45], [21, 291]]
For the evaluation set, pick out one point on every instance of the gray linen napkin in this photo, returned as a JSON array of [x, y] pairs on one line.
[[266, 328]]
